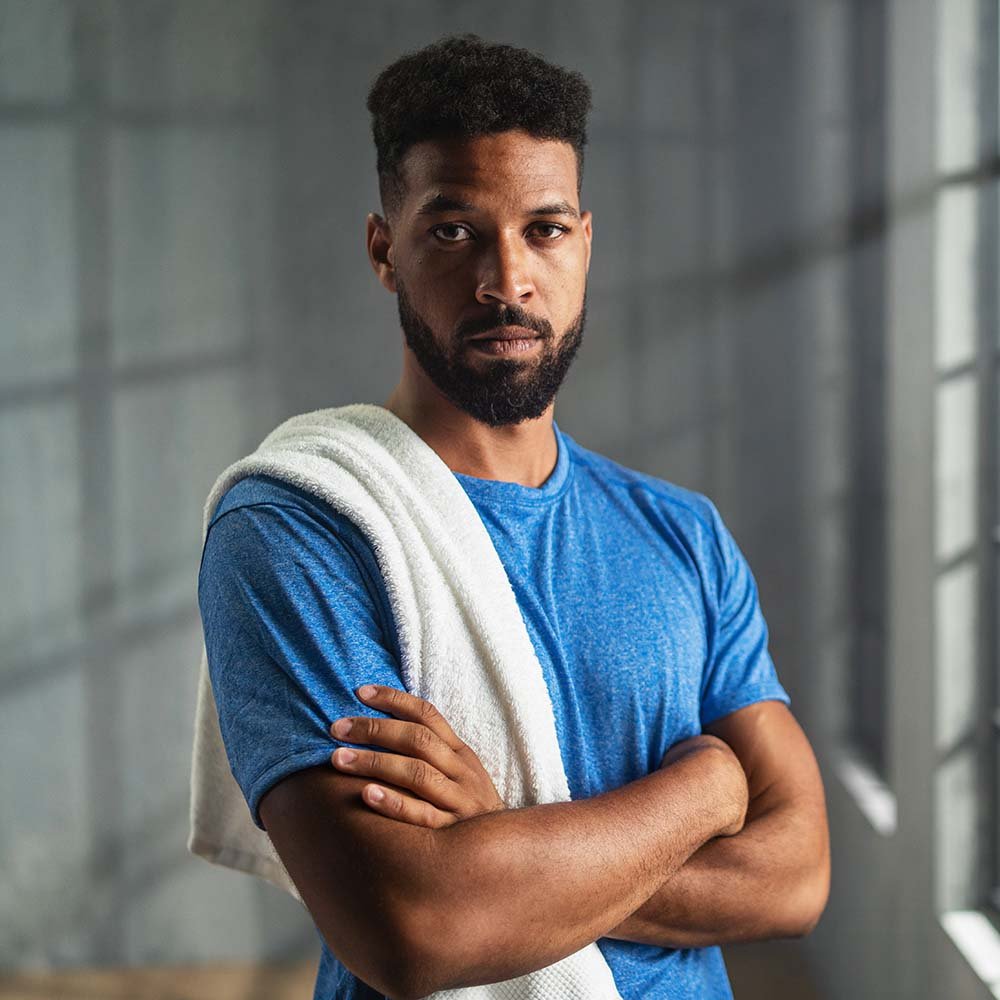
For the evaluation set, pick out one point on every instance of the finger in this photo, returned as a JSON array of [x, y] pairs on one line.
[[405, 772], [403, 705], [409, 738], [408, 706], [399, 805]]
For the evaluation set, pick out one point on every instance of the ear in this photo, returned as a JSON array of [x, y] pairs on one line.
[[378, 241], [586, 218]]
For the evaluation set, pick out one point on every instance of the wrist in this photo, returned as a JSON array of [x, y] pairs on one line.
[[717, 776]]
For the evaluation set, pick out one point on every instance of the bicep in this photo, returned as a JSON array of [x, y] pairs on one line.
[[291, 630], [356, 870], [787, 807]]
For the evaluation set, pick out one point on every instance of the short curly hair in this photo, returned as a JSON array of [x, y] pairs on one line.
[[464, 86]]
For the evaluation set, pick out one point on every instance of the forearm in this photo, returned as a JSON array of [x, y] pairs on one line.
[[770, 880], [513, 891]]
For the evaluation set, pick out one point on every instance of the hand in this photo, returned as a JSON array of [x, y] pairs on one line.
[[732, 780], [446, 780]]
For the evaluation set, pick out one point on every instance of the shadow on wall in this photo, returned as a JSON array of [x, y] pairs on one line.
[[184, 200]]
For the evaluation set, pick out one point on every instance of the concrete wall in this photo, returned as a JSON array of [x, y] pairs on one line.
[[140, 312], [911, 891], [184, 193]]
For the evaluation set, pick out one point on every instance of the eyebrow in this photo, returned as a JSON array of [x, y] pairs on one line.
[[443, 203]]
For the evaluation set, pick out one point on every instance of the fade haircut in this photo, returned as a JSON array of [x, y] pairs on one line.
[[462, 86]]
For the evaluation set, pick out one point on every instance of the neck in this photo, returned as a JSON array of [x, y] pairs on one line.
[[522, 453]]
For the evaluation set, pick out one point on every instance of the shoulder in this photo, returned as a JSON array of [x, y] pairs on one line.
[[684, 514], [283, 513], [269, 527], [261, 490]]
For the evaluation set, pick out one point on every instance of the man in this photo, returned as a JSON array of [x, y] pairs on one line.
[[697, 814]]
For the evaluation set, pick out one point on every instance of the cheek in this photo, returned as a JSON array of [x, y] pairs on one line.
[[430, 300], [567, 268], [441, 278], [447, 290], [567, 285]]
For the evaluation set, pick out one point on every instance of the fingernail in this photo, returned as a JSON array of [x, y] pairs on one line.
[[345, 756], [376, 794], [342, 727], [367, 691]]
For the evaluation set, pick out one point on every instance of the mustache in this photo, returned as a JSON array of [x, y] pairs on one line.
[[503, 317]]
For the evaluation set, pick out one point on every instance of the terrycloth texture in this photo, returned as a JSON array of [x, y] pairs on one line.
[[462, 640]]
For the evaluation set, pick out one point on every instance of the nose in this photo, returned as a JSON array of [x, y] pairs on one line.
[[504, 274]]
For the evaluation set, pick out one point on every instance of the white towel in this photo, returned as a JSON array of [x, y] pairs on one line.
[[463, 643]]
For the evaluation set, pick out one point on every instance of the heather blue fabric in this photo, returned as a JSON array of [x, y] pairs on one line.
[[641, 608]]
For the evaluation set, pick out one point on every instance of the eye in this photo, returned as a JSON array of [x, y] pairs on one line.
[[559, 230], [437, 231]]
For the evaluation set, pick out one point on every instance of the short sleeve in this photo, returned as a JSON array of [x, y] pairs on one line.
[[739, 670], [294, 622]]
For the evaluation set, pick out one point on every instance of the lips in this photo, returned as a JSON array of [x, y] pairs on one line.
[[507, 333]]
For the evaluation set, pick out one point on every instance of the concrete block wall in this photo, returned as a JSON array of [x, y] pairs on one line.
[[185, 187]]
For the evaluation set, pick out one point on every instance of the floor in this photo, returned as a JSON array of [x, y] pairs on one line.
[[771, 971]]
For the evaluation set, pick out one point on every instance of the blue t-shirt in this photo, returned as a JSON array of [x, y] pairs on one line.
[[641, 608]]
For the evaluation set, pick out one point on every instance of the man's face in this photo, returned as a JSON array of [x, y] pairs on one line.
[[490, 240]]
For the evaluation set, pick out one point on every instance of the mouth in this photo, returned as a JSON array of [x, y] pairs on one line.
[[506, 341], [506, 333]]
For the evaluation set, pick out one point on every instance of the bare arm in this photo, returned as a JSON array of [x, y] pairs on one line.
[[773, 878], [411, 910]]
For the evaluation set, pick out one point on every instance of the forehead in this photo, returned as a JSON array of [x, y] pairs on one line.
[[512, 165]]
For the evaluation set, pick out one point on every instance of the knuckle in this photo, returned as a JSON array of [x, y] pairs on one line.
[[423, 739], [426, 710], [419, 772]]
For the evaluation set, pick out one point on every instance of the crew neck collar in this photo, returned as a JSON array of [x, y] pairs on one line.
[[498, 489]]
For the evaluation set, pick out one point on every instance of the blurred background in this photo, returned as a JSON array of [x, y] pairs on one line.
[[792, 308]]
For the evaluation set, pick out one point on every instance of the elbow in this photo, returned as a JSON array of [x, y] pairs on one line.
[[394, 964], [411, 971], [807, 902], [403, 988], [431, 932], [391, 948], [434, 951], [450, 932], [801, 924]]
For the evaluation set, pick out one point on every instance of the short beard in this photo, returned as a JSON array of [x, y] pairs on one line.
[[503, 391]]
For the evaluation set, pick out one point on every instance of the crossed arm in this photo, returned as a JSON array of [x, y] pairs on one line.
[[437, 885], [773, 879]]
